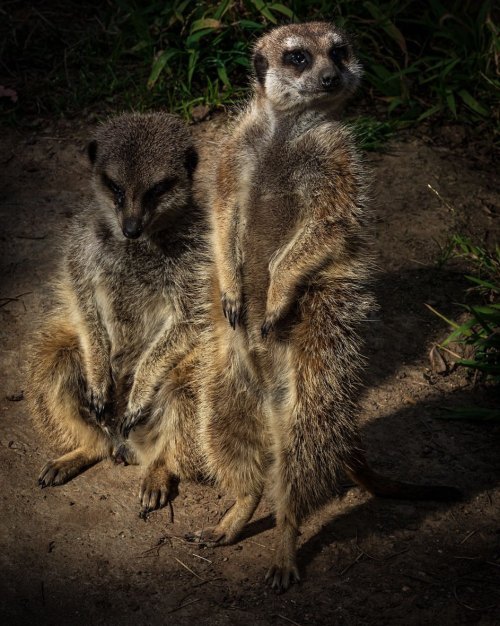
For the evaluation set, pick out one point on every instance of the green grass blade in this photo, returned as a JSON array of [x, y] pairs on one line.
[[471, 102], [470, 413]]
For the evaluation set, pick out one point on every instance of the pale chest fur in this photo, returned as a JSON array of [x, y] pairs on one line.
[[135, 296], [276, 167], [132, 317]]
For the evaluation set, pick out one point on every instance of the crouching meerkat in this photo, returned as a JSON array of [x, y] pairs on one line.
[[292, 248], [116, 345]]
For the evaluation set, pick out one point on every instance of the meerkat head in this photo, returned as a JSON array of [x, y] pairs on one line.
[[305, 65], [142, 171]]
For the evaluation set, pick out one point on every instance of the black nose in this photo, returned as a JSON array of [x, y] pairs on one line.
[[132, 227], [329, 81]]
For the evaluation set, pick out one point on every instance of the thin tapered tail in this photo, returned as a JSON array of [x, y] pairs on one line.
[[384, 487]]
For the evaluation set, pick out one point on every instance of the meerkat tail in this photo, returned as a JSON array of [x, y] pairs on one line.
[[384, 487]]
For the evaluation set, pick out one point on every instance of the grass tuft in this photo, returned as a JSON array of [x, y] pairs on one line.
[[481, 329], [423, 58]]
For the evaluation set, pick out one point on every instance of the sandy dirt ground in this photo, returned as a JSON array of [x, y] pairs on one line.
[[80, 554]]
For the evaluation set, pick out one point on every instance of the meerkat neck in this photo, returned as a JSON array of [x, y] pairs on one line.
[[261, 108]]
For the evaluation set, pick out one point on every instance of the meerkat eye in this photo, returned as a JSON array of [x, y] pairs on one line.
[[117, 191], [299, 58], [160, 188], [338, 54]]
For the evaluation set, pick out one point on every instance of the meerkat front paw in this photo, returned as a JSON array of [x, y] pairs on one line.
[[98, 400], [56, 473], [137, 406], [208, 537], [268, 325], [271, 319], [232, 308], [278, 304], [63, 469], [131, 419]]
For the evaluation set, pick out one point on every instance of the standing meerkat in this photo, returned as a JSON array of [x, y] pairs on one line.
[[292, 248], [116, 345]]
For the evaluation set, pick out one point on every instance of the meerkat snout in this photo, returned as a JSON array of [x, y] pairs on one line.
[[329, 80], [132, 227]]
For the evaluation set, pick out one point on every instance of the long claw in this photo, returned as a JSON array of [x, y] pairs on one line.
[[266, 329], [97, 406], [280, 578], [130, 420], [232, 310], [99, 413]]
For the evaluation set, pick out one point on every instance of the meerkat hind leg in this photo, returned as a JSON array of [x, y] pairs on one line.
[[284, 570], [229, 528], [56, 396]]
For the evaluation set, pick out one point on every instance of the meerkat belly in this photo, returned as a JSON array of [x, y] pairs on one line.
[[270, 226], [132, 316]]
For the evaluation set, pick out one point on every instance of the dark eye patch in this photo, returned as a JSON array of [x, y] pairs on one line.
[[159, 189], [298, 58], [339, 54], [116, 190]]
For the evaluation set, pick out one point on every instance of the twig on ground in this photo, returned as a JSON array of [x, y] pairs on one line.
[[346, 569], [188, 568], [287, 619], [210, 580], [369, 556], [446, 204], [162, 541], [467, 606], [259, 544], [177, 608], [201, 557]]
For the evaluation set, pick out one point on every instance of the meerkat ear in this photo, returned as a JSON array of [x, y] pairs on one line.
[[191, 160], [92, 151], [260, 65]]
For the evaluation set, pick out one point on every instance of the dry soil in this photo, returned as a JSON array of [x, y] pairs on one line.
[[80, 554]]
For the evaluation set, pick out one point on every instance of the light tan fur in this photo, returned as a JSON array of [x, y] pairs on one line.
[[292, 246]]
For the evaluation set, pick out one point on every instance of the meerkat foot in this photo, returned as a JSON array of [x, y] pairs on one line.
[[229, 528], [63, 469], [284, 571], [158, 488], [280, 577], [209, 537]]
